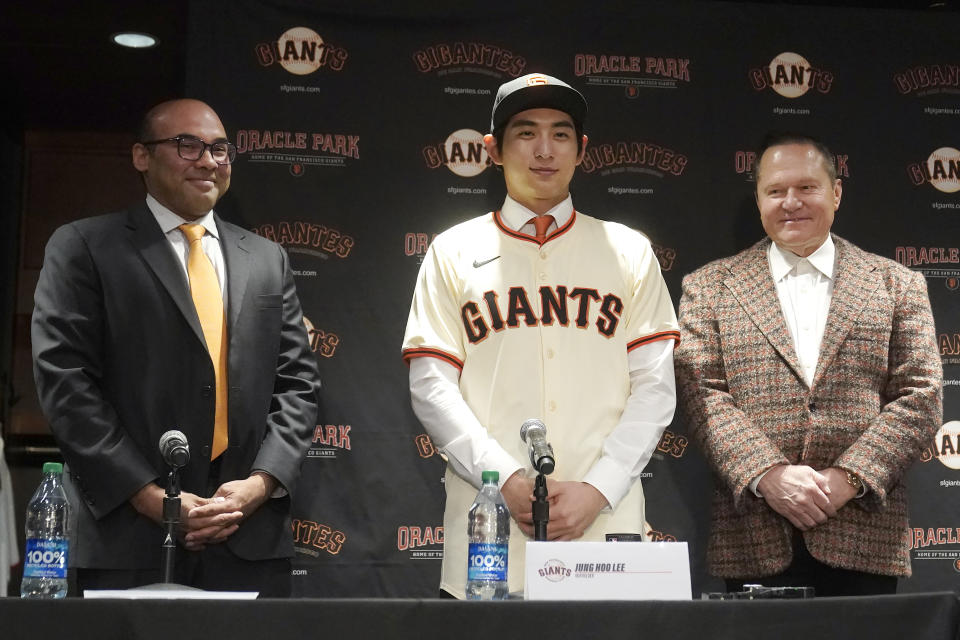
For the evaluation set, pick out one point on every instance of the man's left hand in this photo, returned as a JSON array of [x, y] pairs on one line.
[[841, 491], [238, 498], [573, 508]]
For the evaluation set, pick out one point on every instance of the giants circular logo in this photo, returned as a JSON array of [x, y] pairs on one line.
[[554, 570], [302, 39], [943, 166], [947, 444], [790, 73], [466, 156]]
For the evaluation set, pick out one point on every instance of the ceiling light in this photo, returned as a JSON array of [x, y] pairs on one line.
[[134, 39]]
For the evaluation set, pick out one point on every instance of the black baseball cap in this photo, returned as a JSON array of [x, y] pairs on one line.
[[536, 91]]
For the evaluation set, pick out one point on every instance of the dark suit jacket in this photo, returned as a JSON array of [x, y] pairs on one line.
[[119, 358], [874, 404]]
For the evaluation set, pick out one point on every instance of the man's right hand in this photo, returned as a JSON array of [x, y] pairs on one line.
[[148, 502], [517, 492], [799, 494]]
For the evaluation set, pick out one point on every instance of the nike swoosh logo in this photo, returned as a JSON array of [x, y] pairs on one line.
[[479, 263]]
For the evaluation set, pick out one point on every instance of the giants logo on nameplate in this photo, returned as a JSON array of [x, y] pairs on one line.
[[309, 239], [301, 51], [946, 449], [297, 149], [631, 72], [932, 262], [745, 164], [315, 539], [484, 59], [422, 542]]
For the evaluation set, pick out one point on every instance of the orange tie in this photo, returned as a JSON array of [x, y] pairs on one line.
[[208, 299], [541, 224]]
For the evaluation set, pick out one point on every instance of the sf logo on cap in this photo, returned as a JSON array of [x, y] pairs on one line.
[[537, 79]]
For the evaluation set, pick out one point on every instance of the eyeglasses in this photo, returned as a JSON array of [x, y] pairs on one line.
[[191, 148]]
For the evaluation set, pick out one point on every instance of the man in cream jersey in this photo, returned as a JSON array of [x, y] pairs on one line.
[[540, 311]]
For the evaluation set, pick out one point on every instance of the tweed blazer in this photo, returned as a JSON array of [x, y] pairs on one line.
[[874, 404]]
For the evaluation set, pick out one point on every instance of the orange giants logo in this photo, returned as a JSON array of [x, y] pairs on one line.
[[927, 78], [415, 538], [946, 446], [637, 157], [672, 444], [941, 169], [467, 56], [462, 152], [314, 539], [308, 238], [425, 446], [949, 344], [298, 149], [301, 51], [791, 75], [322, 342], [665, 256]]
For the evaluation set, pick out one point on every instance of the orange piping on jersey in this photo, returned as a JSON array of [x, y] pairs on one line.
[[653, 337], [522, 236], [431, 353]]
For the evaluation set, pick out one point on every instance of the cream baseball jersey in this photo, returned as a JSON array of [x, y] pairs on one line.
[[538, 331]]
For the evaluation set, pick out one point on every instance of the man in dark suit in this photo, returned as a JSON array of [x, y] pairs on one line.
[[810, 376], [137, 330]]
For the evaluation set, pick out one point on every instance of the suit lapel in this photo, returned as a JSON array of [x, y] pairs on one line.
[[149, 240], [855, 283], [753, 287], [237, 258]]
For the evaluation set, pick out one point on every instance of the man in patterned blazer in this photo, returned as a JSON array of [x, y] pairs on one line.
[[811, 379]]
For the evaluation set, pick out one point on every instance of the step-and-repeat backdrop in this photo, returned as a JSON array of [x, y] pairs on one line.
[[359, 136]]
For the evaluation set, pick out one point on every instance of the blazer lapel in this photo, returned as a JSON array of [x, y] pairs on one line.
[[753, 287], [237, 258], [855, 283], [156, 252]]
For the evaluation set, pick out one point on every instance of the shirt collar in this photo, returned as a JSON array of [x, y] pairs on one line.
[[515, 215], [169, 221], [783, 261]]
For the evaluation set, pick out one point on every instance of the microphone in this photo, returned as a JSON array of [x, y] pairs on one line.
[[174, 448], [534, 433]]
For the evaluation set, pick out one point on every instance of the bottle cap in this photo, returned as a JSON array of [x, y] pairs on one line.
[[490, 476], [52, 467]]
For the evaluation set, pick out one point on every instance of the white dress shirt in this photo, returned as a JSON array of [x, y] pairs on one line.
[[169, 223]]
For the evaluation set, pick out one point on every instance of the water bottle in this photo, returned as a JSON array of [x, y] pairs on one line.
[[488, 531], [45, 566]]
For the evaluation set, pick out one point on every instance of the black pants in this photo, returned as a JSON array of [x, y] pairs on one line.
[[807, 571]]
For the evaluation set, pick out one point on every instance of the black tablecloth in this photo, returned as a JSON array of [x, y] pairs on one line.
[[907, 617]]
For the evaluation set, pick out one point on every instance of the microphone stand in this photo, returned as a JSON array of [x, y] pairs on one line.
[[171, 520], [541, 508]]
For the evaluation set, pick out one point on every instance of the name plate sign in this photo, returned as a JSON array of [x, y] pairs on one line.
[[607, 571]]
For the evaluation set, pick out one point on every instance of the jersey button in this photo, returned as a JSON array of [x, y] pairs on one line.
[[543, 255], [552, 406], [543, 276], [549, 354]]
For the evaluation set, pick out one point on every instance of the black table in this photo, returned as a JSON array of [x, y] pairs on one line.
[[902, 617]]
